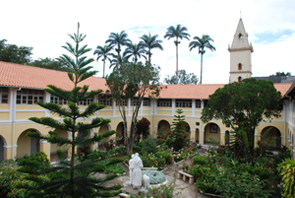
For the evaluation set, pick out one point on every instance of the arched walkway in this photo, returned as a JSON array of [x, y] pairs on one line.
[[26, 144], [197, 133], [120, 134], [188, 130], [272, 136], [3, 154], [163, 125], [211, 130]]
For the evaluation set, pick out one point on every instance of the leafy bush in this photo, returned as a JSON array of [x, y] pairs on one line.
[[115, 169], [148, 145], [200, 159], [164, 154], [39, 156], [287, 173], [283, 154], [9, 178]]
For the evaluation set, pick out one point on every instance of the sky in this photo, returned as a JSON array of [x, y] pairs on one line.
[[270, 24]]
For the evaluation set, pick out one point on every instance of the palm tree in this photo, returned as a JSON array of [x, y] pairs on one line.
[[117, 60], [202, 43], [116, 39], [104, 53], [150, 42], [178, 32], [135, 50]]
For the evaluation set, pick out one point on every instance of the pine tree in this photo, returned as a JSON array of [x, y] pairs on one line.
[[71, 178]]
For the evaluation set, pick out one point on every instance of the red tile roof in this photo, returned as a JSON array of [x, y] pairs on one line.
[[15, 75]]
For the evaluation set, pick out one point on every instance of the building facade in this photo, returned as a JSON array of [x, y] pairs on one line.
[[22, 86]]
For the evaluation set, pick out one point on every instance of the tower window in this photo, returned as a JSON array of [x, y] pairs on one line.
[[240, 36], [239, 79], [240, 66]]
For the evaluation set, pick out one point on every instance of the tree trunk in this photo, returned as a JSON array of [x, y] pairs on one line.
[[176, 61], [201, 72], [104, 62]]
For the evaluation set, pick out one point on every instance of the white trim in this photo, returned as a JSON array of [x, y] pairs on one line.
[[30, 110], [257, 135], [129, 106], [222, 132], [4, 111], [114, 108], [10, 147], [201, 131], [44, 142], [5, 122], [173, 106]]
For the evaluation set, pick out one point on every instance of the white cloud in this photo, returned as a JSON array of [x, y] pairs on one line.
[[44, 25]]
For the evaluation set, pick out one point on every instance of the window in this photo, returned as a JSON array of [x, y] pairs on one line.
[[122, 102], [240, 36], [198, 103], [239, 79], [86, 102], [213, 128], [105, 100], [240, 66], [29, 96], [197, 123], [57, 100], [206, 103], [146, 102], [164, 103], [3, 95], [183, 103], [134, 102]]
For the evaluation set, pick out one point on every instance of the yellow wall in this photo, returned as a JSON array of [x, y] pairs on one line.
[[27, 115], [4, 106], [4, 115]]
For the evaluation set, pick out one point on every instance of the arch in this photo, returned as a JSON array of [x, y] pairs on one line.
[[163, 126], [188, 130], [272, 136], [120, 136], [211, 130], [3, 151], [197, 135], [226, 137], [239, 79], [26, 144]]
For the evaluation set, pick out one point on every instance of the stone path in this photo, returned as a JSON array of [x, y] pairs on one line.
[[187, 190]]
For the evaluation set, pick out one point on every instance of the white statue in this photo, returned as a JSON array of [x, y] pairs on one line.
[[136, 171], [131, 167], [146, 182]]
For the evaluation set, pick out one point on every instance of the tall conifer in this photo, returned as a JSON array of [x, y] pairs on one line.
[[71, 178]]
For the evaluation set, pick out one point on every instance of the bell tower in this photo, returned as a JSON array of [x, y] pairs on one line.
[[240, 55]]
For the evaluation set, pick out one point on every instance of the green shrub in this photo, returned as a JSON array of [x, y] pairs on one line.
[[283, 154], [164, 154], [115, 169], [200, 159], [148, 145], [287, 173], [40, 157]]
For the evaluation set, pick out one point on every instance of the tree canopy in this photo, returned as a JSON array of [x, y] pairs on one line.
[[49, 63], [183, 78], [13, 54], [133, 81], [282, 74], [243, 106]]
